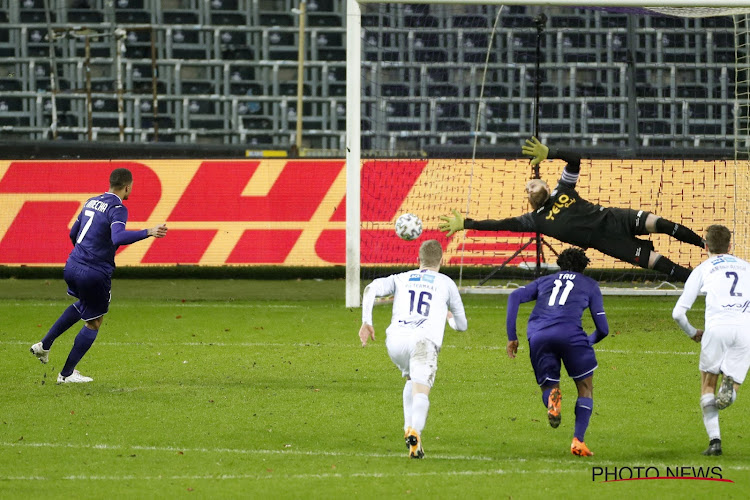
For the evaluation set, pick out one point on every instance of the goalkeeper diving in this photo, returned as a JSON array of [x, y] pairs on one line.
[[564, 215]]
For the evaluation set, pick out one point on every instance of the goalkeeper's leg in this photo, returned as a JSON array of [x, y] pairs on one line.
[[656, 224]]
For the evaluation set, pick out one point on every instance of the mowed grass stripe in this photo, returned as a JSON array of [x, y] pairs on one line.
[[339, 346]]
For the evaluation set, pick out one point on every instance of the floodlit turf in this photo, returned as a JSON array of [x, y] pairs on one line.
[[260, 390]]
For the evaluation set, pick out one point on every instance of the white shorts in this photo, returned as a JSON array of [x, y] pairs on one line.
[[726, 349], [416, 357]]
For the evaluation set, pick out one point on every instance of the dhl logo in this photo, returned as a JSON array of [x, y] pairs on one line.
[[293, 212]]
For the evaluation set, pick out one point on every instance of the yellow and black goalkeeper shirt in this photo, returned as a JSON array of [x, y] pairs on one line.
[[565, 216]]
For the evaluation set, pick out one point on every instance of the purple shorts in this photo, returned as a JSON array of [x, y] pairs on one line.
[[547, 349], [91, 287]]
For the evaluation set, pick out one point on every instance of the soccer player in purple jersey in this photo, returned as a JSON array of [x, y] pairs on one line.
[[555, 333], [564, 215], [96, 234]]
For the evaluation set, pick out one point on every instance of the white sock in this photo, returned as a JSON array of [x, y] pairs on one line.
[[420, 407], [710, 416], [407, 404]]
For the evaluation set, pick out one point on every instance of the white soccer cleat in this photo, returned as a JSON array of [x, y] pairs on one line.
[[73, 378], [40, 353], [726, 394]]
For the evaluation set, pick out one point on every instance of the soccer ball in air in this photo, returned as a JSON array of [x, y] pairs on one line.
[[408, 227]]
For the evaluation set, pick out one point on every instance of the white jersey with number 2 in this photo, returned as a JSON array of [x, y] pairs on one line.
[[421, 300], [725, 279]]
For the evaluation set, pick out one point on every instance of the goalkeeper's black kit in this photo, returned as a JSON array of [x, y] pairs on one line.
[[569, 218]]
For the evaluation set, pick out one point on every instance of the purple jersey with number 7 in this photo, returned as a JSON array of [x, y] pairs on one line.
[[99, 230]]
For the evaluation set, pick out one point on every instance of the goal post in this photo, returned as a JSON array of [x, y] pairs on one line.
[[397, 99]]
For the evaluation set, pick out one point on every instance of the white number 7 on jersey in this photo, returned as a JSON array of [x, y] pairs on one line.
[[564, 297], [90, 215]]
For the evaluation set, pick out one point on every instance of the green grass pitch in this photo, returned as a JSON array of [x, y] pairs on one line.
[[226, 389]]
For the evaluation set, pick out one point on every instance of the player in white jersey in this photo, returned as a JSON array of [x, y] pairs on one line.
[[725, 343], [422, 300]]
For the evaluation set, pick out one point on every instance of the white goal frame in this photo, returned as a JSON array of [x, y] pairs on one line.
[[353, 101]]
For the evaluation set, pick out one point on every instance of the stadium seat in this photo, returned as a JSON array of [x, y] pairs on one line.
[[394, 90], [86, 16], [614, 21], [261, 123], [471, 21], [567, 22], [421, 22], [656, 127], [132, 17], [10, 103], [448, 110], [179, 17], [196, 87], [442, 90], [604, 128], [228, 19], [431, 56], [404, 126], [245, 88], [10, 85], [9, 120], [514, 21], [276, 19], [325, 20], [453, 125], [331, 54], [35, 16], [3, 16], [400, 109]]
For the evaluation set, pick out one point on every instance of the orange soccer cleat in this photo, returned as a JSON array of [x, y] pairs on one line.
[[553, 408], [414, 443], [580, 449]]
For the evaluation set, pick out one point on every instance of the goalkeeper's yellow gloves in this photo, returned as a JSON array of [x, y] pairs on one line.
[[536, 149], [452, 224]]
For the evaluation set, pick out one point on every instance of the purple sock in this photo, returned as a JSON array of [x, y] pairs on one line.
[[584, 407], [82, 343], [545, 396], [68, 318]]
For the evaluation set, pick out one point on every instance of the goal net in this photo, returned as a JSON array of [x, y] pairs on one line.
[[655, 99]]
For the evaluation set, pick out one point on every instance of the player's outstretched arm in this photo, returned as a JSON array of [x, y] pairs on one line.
[[453, 224], [536, 150]]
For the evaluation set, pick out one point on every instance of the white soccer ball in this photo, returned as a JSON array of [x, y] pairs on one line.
[[408, 227]]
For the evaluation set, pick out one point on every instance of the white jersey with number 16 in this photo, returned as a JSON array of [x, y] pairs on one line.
[[421, 300]]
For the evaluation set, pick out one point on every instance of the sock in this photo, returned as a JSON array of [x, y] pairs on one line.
[[678, 231], [81, 345], [68, 318], [710, 416], [407, 404], [545, 397], [673, 271], [420, 406], [584, 407]]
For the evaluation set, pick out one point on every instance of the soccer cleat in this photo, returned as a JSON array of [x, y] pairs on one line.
[[553, 408], [40, 353], [414, 443], [580, 449], [714, 448], [725, 396], [73, 378]]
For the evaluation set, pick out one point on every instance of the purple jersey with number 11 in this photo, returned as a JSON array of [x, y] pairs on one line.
[[561, 299], [92, 233]]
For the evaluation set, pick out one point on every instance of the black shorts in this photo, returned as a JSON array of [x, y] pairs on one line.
[[618, 236]]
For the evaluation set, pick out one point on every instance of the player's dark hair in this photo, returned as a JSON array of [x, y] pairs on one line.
[[718, 238], [573, 259], [430, 253], [119, 178]]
